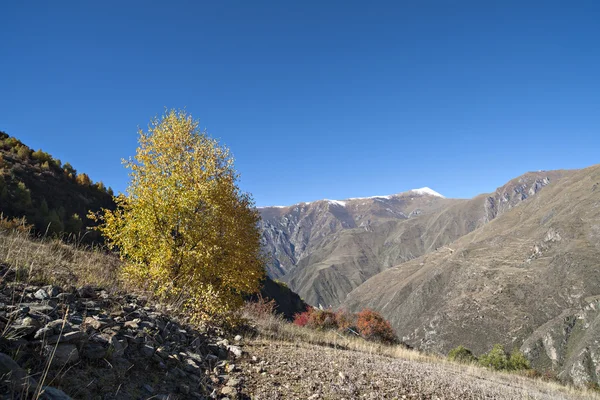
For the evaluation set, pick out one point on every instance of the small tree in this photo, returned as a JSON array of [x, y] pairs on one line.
[[184, 229], [69, 170], [83, 180]]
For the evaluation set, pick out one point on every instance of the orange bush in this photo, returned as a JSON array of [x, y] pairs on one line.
[[372, 326], [345, 320]]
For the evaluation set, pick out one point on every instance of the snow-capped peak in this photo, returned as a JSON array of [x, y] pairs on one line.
[[426, 190], [336, 202]]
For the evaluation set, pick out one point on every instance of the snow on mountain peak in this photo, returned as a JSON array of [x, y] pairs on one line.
[[429, 191]]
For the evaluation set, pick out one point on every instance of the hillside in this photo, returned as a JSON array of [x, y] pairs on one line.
[[52, 196], [69, 330], [326, 249], [527, 279]]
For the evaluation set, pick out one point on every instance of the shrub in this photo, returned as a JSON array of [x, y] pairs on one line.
[[517, 361], [184, 229], [462, 355], [496, 358], [345, 320], [41, 156], [322, 319], [301, 319], [69, 170], [23, 152], [372, 326]]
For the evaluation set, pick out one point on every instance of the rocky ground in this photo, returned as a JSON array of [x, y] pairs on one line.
[[85, 343], [284, 370]]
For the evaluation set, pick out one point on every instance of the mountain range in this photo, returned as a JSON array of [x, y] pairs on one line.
[[518, 266]]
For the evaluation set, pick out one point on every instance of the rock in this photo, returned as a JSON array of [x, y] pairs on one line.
[[65, 354], [52, 291], [230, 368], [147, 325], [191, 366], [50, 393], [56, 326], [22, 330], [65, 297], [86, 292], [233, 382], [131, 325], [185, 389], [73, 337], [238, 338], [11, 370], [148, 388], [236, 350], [228, 391], [94, 323], [41, 295], [43, 333], [94, 351], [28, 321], [147, 350]]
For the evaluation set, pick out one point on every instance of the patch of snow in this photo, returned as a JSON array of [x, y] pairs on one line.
[[389, 196], [426, 190], [336, 202]]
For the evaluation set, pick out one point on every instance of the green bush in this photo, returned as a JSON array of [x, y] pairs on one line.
[[41, 156], [518, 361], [496, 358], [462, 355]]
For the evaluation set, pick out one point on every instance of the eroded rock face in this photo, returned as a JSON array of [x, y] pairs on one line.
[[109, 342], [326, 249]]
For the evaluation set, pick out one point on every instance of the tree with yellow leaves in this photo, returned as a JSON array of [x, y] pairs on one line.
[[184, 229]]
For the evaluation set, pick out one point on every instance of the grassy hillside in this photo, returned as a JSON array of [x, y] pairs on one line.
[[50, 195]]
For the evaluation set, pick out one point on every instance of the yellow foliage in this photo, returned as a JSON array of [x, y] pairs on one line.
[[83, 180], [184, 229]]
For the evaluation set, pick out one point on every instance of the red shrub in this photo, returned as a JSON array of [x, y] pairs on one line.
[[316, 319], [372, 326], [301, 319]]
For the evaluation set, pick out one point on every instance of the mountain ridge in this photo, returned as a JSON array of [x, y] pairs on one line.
[[323, 251]]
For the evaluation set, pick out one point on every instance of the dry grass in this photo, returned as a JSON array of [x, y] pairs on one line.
[[50, 261]]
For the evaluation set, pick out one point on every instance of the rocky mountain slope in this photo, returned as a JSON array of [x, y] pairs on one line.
[[527, 279], [325, 249]]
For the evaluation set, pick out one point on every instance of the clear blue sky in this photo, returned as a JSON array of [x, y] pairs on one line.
[[316, 99]]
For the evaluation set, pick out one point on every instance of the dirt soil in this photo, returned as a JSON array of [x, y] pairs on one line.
[[283, 370]]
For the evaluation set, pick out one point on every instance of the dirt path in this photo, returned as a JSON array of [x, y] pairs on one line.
[[282, 370]]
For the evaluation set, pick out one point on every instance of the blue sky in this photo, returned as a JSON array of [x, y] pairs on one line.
[[316, 99]]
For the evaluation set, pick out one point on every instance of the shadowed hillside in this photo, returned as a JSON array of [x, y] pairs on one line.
[[52, 196]]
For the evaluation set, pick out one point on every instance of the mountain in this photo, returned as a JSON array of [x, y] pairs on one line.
[[327, 248], [52, 196], [530, 278]]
